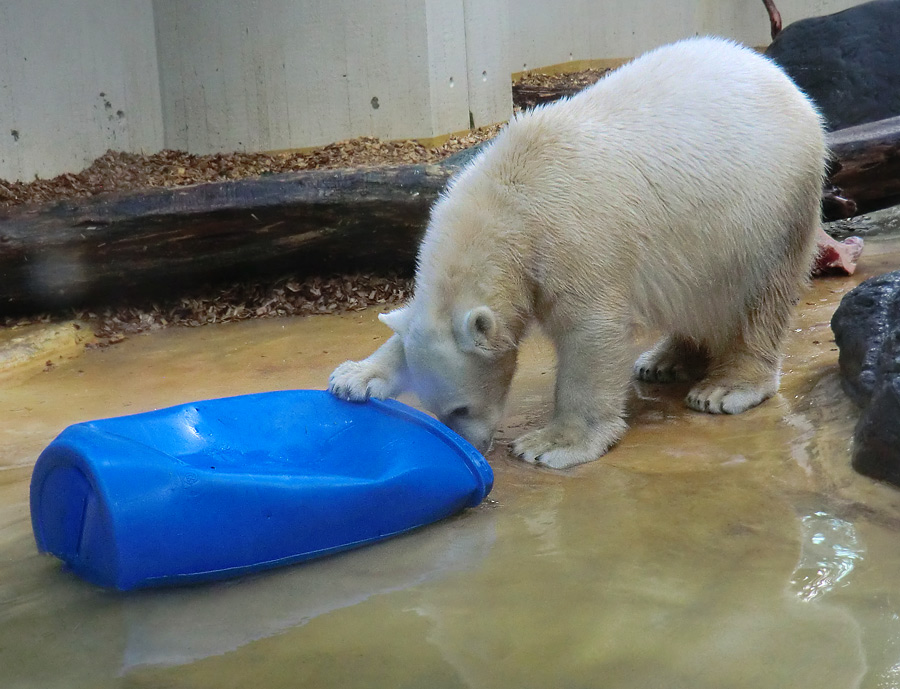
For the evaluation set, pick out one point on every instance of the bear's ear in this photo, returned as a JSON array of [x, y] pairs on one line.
[[479, 330], [396, 320]]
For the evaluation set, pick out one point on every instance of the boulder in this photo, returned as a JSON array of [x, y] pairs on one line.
[[848, 62], [867, 331]]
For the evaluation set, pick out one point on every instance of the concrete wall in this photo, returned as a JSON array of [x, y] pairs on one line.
[[280, 74], [578, 30], [80, 76], [76, 78]]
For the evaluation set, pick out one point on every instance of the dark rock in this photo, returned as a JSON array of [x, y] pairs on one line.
[[876, 441], [867, 331], [862, 325], [848, 62]]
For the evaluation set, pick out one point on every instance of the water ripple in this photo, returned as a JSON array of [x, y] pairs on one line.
[[829, 551]]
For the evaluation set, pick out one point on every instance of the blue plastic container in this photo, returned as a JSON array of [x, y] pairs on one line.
[[223, 487]]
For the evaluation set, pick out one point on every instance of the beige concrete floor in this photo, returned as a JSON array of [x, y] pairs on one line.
[[703, 551]]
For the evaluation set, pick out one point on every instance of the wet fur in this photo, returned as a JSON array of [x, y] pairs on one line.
[[680, 193]]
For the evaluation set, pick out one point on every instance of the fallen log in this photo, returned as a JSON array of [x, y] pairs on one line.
[[163, 241], [527, 96], [97, 249], [865, 163]]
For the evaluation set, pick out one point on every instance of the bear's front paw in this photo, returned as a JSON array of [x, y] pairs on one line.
[[561, 446], [357, 381]]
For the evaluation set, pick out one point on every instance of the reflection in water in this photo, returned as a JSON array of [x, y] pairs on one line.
[[829, 550], [801, 444], [176, 626]]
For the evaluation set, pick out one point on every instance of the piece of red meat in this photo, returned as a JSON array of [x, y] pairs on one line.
[[834, 257]]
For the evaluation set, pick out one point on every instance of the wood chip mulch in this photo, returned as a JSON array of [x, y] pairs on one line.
[[570, 80], [116, 171], [284, 297]]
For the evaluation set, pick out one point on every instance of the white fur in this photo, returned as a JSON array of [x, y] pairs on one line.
[[681, 193]]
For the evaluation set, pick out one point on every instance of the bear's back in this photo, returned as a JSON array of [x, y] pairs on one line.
[[697, 164], [702, 126]]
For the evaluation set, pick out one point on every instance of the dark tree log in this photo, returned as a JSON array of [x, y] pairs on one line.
[[836, 206], [527, 96], [163, 241], [866, 163], [97, 249]]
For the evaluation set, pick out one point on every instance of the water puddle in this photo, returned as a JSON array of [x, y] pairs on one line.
[[703, 552]]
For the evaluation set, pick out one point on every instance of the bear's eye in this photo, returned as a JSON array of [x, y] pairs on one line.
[[459, 412]]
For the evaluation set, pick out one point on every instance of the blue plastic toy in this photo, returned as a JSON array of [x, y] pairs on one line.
[[223, 487]]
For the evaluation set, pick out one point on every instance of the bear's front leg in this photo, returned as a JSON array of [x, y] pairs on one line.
[[380, 375], [593, 377]]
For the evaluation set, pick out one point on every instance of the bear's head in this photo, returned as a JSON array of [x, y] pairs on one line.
[[460, 365]]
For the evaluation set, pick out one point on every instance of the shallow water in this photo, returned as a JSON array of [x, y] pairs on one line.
[[701, 552]]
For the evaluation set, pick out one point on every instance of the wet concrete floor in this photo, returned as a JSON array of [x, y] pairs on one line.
[[701, 552]]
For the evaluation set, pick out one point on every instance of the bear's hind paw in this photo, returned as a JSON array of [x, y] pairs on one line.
[[671, 360], [728, 399]]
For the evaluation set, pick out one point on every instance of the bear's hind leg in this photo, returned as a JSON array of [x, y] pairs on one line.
[[745, 369], [674, 358]]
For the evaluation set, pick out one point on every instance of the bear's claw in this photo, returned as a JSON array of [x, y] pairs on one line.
[[670, 361], [723, 399], [357, 382]]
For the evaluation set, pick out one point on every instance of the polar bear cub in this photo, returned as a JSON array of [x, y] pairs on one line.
[[681, 193]]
